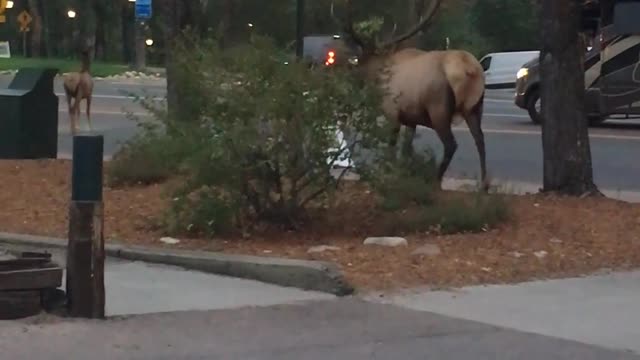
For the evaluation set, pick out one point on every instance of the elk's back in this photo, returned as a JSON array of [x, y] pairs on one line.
[[418, 79]]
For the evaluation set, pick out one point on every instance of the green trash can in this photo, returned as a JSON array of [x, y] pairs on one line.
[[29, 116]]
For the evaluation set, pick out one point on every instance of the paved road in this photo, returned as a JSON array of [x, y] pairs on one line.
[[514, 148], [331, 329]]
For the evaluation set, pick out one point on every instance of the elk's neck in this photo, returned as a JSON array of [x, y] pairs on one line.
[[373, 67], [86, 63]]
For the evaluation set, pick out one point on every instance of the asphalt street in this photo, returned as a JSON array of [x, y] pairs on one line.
[[349, 329], [514, 145]]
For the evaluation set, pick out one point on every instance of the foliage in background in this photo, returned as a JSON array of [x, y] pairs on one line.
[[508, 25], [98, 68], [455, 24], [477, 25]]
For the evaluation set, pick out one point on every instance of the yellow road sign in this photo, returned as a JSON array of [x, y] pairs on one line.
[[24, 19], [3, 7]]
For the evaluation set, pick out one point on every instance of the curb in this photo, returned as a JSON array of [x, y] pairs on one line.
[[303, 274]]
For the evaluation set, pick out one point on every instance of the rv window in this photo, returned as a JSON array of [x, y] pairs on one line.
[[486, 63], [625, 18]]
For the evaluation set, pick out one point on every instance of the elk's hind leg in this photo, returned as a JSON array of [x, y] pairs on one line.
[[450, 146], [474, 122], [441, 116], [407, 148]]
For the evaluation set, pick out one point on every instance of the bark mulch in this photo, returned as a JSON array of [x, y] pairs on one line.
[[547, 237]]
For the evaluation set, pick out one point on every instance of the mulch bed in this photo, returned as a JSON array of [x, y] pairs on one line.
[[548, 236]]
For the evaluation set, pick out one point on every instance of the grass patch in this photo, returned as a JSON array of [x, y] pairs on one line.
[[449, 214], [98, 68]]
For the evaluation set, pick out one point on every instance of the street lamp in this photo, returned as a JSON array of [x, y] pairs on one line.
[[149, 42], [71, 14], [9, 4]]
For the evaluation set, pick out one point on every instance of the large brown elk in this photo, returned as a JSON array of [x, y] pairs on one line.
[[429, 88], [79, 86]]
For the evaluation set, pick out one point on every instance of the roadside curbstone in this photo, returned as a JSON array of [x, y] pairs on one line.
[[302, 274]]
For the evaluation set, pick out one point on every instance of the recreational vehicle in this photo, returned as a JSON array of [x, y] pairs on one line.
[[612, 67]]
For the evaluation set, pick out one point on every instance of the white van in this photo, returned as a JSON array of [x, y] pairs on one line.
[[501, 68]]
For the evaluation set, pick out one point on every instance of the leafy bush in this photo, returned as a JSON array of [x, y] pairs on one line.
[[401, 182], [265, 132], [407, 188], [152, 156], [255, 139], [449, 215]]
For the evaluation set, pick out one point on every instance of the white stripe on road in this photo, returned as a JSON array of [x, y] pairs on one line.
[[499, 100], [509, 115], [101, 112], [119, 97], [532, 132]]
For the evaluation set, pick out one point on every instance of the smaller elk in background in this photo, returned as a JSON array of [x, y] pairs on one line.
[[79, 86], [429, 88]]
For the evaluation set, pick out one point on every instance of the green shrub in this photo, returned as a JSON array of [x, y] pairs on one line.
[[468, 214], [408, 189], [265, 134], [402, 182], [478, 213], [148, 158], [255, 141]]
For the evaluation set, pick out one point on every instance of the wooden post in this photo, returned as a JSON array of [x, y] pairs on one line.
[[85, 254]]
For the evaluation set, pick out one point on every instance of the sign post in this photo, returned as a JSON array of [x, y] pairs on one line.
[[143, 12], [24, 20]]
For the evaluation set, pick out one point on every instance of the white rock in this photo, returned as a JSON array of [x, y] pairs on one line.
[[516, 254], [540, 254], [556, 240], [386, 241], [169, 240], [428, 249], [322, 248]]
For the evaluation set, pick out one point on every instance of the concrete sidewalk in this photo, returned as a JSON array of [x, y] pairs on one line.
[[140, 288], [346, 329], [600, 310]]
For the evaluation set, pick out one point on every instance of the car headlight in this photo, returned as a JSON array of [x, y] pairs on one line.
[[522, 73]]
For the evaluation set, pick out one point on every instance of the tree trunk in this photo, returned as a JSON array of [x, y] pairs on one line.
[[36, 28], [606, 11], [100, 34], [86, 22], [565, 140], [224, 27], [171, 18], [46, 26], [127, 27]]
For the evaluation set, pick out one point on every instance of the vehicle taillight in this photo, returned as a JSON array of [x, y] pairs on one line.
[[331, 58]]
